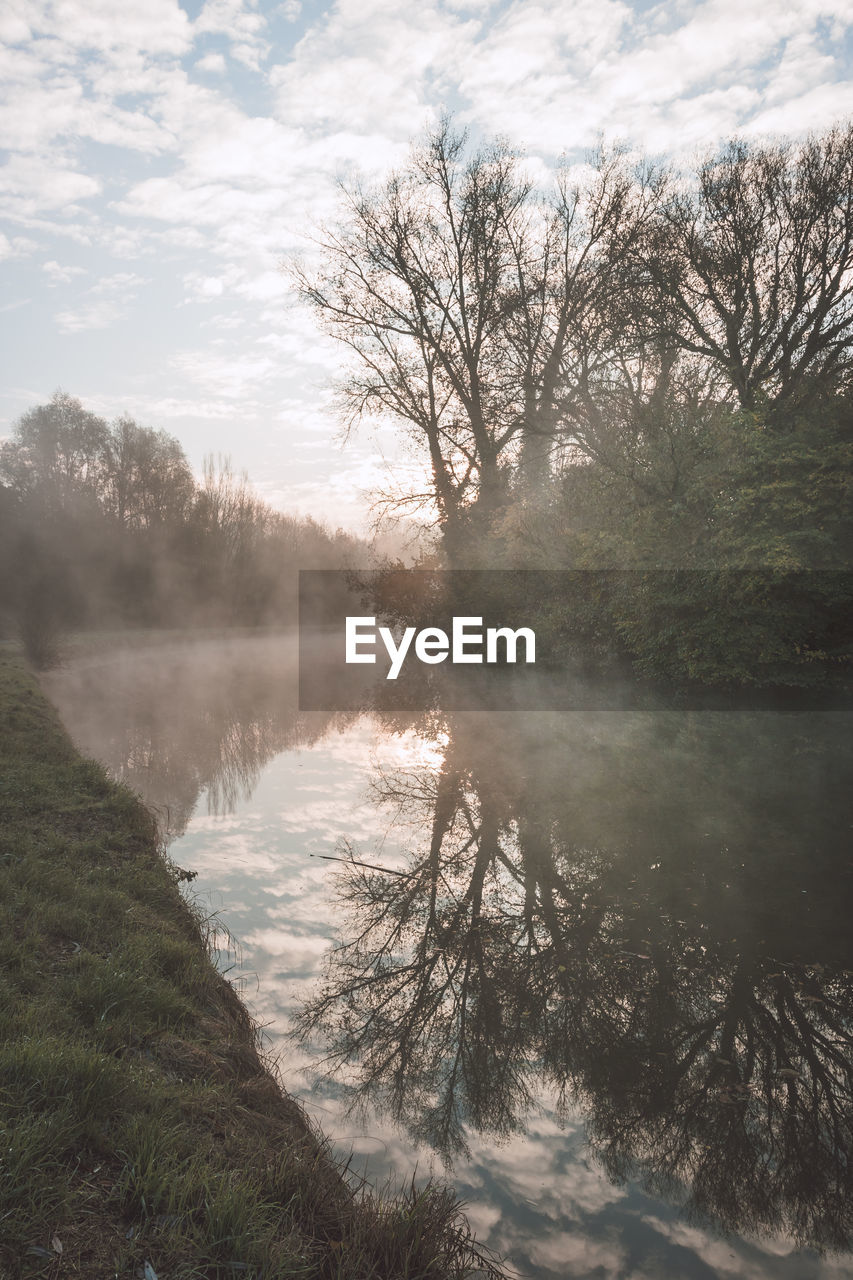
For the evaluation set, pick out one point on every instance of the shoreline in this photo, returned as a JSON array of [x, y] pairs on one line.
[[141, 1125]]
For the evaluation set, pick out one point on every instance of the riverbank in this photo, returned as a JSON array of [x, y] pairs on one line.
[[141, 1131]]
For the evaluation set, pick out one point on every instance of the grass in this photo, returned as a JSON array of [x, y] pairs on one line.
[[141, 1132]]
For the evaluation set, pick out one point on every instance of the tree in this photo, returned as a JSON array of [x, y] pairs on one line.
[[57, 452], [147, 479], [619, 321], [463, 296], [756, 259]]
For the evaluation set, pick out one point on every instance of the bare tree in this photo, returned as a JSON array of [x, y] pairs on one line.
[[147, 479], [467, 300], [413, 283], [514, 332], [568, 269], [756, 259]]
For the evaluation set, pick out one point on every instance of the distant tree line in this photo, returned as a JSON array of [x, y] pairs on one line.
[[105, 525], [638, 369]]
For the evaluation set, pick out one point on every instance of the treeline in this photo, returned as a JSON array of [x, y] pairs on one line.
[[641, 368], [104, 525]]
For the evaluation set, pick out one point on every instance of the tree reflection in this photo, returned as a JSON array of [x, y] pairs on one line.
[[179, 718], [649, 915]]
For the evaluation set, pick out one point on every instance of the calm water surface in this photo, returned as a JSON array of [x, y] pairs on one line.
[[596, 970]]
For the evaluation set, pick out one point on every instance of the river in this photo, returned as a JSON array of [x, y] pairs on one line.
[[594, 969]]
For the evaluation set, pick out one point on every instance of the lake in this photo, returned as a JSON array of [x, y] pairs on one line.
[[593, 968]]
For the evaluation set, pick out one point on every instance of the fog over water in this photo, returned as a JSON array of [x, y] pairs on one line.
[[594, 968]]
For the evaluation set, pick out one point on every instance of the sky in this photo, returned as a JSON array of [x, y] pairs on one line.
[[161, 163]]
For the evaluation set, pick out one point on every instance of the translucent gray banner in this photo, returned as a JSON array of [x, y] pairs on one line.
[[598, 639]]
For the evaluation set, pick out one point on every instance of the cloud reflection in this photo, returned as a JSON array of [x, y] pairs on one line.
[[669, 850]]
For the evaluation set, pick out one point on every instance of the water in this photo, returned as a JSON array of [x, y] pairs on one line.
[[593, 968]]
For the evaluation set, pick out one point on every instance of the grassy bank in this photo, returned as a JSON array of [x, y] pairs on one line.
[[141, 1133]]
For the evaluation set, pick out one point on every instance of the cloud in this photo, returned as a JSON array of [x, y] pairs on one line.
[[159, 26], [811, 111], [368, 66], [201, 286], [743, 1259], [124, 282], [230, 377], [16, 306], [102, 304], [243, 25], [16, 246], [573, 1253], [211, 62], [26, 186], [167, 408], [344, 480], [90, 315], [57, 274], [42, 104], [296, 339], [301, 951], [554, 75]]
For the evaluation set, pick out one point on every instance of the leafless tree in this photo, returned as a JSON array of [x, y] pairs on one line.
[[468, 300], [146, 477], [756, 258], [515, 332]]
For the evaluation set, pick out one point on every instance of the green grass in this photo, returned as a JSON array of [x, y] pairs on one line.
[[139, 1125]]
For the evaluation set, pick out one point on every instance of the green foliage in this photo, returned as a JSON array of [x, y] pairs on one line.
[[761, 521]]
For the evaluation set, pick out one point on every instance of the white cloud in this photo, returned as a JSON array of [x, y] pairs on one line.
[[167, 408], [231, 377], [124, 282], [228, 323], [58, 274], [241, 22], [14, 29], [554, 75], [302, 346], [204, 286], [41, 104], [27, 186], [345, 478], [577, 1254], [102, 304], [266, 286], [728, 1258], [123, 241], [90, 315], [158, 26], [16, 246], [368, 66], [302, 951], [812, 111], [211, 62]]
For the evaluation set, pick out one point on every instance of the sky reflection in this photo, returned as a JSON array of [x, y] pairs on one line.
[[537, 1192]]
